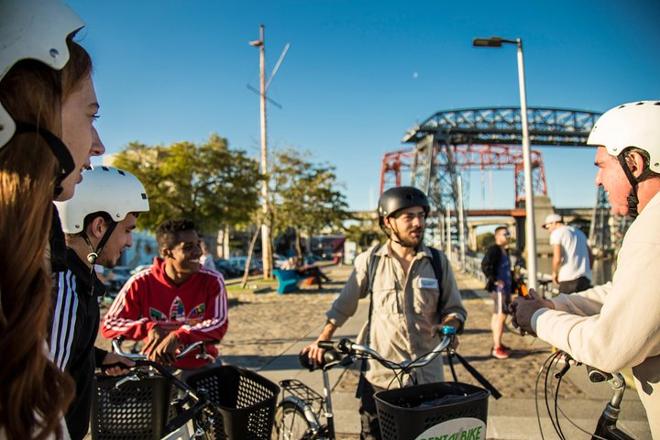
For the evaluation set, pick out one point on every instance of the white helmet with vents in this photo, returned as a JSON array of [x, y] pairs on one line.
[[103, 189], [37, 30], [636, 124]]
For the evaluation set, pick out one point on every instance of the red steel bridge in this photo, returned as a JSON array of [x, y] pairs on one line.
[[453, 141]]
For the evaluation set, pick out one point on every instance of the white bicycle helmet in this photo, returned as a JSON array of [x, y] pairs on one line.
[[103, 189], [636, 124], [33, 29]]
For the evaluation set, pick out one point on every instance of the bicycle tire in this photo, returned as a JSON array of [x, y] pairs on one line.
[[291, 423]]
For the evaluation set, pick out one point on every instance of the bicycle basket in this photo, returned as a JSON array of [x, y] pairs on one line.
[[246, 401], [136, 410], [432, 410]]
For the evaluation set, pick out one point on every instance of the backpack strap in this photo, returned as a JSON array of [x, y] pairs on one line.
[[437, 269], [372, 265]]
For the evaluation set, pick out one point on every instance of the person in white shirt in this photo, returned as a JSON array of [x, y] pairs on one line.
[[206, 260], [571, 256], [617, 325]]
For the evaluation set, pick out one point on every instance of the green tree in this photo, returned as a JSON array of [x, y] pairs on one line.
[[210, 183], [305, 195], [485, 240]]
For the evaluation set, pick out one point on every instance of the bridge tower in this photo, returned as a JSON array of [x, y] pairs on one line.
[[451, 142]]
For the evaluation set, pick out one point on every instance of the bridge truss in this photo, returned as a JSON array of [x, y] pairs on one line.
[[449, 143]]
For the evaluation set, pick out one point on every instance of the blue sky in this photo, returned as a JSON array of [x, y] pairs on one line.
[[360, 73]]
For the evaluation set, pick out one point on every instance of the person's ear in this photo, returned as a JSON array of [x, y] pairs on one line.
[[97, 228], [166, 253], [635, 162]]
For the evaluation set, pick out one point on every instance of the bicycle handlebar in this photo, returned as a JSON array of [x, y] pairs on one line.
[[348, 347], [116, 347]]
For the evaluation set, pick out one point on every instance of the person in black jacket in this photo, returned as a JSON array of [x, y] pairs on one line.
[[98, 222], [496, 265]]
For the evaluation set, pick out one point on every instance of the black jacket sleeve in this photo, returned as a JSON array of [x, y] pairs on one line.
[[489, 266]]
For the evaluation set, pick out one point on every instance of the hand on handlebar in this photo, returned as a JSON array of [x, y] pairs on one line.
[[165, 351], [154, 338], [523, 309], [314, 353], [453, 322], [115, 362]]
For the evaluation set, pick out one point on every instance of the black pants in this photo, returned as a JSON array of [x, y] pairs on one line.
[[577, 285], [368, 414]]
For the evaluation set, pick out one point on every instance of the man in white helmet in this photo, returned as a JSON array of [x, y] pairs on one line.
[[98, 222], [617, 325]]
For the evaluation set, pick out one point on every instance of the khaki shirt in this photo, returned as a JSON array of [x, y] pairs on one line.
[[404, 313], [617, 325]]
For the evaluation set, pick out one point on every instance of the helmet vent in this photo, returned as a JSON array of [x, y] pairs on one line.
[[144, 196], [54, 52], [640, 103], [121, 172], [622, 106], [656, 103]]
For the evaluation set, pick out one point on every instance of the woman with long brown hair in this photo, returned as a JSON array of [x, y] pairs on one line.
[[47, 106]]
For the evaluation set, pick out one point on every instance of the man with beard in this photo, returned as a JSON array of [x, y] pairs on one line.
[[173, 303], [413, 294]]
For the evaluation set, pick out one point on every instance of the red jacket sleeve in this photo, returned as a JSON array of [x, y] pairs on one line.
[[214, 325], [124, 317]]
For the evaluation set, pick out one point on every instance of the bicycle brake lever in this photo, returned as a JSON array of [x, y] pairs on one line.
[[122, 381], [563, 370]]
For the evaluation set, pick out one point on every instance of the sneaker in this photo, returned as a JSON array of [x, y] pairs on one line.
[[500, 353]]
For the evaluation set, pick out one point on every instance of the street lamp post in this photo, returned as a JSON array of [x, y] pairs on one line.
[[530, 224]]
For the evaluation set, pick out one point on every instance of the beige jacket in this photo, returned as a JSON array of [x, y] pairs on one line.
[[405, 311], [617, 325]]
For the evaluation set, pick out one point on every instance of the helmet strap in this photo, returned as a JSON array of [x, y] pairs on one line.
[[94, 253], [632, 197], [394, 236], [57, 147]]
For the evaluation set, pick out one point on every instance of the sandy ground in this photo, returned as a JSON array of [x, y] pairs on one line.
[[263, 325]]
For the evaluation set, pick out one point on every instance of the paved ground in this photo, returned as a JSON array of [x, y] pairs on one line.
[[267, 330]]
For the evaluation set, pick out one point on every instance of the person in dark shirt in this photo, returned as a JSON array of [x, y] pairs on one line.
[[98, 222], [497, 268]]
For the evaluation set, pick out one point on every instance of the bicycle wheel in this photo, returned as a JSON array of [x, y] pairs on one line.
[[290, 423]]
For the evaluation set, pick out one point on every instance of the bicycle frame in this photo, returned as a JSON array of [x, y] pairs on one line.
[[322, 430], [352, 351]]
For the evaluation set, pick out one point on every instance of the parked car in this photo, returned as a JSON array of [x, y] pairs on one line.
[[226, 269], [115, 278], [239, 262]]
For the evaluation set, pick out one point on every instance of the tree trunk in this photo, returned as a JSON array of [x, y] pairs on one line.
[[297, 242], [248, 260], [225, 243]]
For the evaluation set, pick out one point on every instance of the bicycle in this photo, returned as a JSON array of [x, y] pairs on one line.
[[151, 402], [403, 413], [606, 428]]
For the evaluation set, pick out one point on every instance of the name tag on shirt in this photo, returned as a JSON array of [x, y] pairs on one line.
[[427, 283]]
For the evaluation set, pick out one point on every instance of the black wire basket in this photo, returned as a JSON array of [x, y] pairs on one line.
[[246, 402], [405, 413], [134, 410]]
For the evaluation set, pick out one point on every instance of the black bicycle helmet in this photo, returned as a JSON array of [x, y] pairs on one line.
[[401, 197]]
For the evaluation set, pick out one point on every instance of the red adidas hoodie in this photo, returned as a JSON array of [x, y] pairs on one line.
[[198, 307]]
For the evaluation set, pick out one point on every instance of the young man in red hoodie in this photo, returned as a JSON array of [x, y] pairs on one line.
[[173, 303]]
